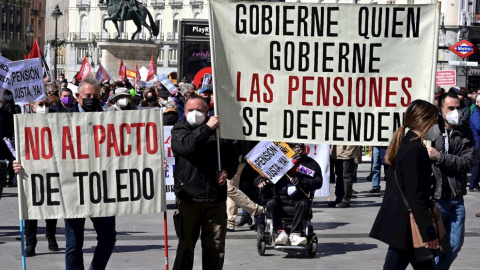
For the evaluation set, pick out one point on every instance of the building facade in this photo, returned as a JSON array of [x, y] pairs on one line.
[[15, 16], [80, 28]]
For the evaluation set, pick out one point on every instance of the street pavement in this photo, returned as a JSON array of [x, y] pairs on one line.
[[342, 235]]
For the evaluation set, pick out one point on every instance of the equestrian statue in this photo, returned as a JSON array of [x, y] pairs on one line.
[[126, 10]]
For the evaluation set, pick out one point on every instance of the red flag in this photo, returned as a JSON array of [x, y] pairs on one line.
[[151, 70], [137, 73], [102, 74], [121, 66], [35, 52], [123, 70], [85, 70]]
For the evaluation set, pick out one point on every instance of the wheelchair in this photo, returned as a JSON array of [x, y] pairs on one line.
[[266, 235]]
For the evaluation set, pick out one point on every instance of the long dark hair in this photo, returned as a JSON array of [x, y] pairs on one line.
[[421, 116]]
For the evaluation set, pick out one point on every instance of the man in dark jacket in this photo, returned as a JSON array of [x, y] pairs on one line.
[[452, 153], [199, 187], [292, 191]]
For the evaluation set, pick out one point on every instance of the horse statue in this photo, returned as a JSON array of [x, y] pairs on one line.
[[126, 10]]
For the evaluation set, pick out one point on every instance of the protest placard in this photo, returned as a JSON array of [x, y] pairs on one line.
[[328, 74], [271, 160], [5, 82], [79, 165], [26, 78], [167, 131], [163, 79]]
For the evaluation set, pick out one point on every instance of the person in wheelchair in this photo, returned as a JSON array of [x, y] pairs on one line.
[[293, 191]]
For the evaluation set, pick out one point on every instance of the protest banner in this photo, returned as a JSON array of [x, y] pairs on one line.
[[26, 78], [5, 82], [328, 74], [163, 79], [78, 165], [321, 154], [167, 131]]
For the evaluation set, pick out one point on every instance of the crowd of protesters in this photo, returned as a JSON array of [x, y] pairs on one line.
[[453, 154]]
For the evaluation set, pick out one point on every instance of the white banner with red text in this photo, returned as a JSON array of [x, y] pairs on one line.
[[323, 74], [77, 165]]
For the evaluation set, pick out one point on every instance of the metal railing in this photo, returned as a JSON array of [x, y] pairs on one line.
[[83, 3], [158, 4], [176, 4]]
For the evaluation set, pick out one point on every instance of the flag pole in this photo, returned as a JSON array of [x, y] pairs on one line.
[[212, 45], [166, 239]]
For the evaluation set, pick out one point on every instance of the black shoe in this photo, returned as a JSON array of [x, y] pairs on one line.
[[354, 192], [52, 244], [473, 190], [230, 230], [30, 251], [342, 205], [374, 190], [244, 220], [333, 204]]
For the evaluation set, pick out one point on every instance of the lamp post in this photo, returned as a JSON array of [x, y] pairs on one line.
[[29, 34], [56, 14]]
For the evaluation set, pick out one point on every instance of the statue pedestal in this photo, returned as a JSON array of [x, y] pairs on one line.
[[131, 52]]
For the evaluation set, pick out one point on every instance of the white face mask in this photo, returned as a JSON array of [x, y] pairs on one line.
[[122, 102], [195, 118], [432, 133], [452, 117], [43, 109], [164, 102]]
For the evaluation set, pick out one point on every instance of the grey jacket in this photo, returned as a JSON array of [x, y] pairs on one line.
[[454, 165]]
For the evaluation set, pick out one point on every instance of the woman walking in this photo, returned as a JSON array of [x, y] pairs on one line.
[[410, 173]]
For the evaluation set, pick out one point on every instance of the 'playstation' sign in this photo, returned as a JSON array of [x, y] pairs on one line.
[[463, 48]]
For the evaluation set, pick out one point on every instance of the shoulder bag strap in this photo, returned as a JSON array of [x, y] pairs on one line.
[[401, 192]]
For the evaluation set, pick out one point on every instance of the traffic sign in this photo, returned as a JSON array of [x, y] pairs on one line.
[[463, 63], [463, 48]]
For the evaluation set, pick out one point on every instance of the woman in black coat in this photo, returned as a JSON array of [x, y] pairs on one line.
[[412, 169]]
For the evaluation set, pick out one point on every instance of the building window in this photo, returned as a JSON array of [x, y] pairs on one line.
[[158, 22], [176, 25], [84, 27]]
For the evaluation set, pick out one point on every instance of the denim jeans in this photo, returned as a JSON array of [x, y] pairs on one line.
[[453, 216], [74, 234], [474, 178]]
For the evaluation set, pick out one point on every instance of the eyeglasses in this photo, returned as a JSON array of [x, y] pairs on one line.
[[49, 93]]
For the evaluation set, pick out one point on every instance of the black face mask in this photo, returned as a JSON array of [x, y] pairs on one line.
[[150, 99], [90, 104]]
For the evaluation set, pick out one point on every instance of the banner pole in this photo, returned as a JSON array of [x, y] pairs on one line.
[[215, 88], [166, 238], [22, 238]]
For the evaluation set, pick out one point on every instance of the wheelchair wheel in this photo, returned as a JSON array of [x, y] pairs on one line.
[[261, 248], [312, 247]]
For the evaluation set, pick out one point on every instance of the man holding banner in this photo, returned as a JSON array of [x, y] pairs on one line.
[[200, 189], [89, 91]]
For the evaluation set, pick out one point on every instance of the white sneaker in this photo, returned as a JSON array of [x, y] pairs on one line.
[[297, 240], [282, 239]]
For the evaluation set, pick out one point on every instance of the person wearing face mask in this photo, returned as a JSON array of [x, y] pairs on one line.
[[88, 101], [149, 99], [409, 174], [40, 106], [452, 155], [206, 94], [67, 102], [475, 126], [291, 192], [122, 100], [200, 190]]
